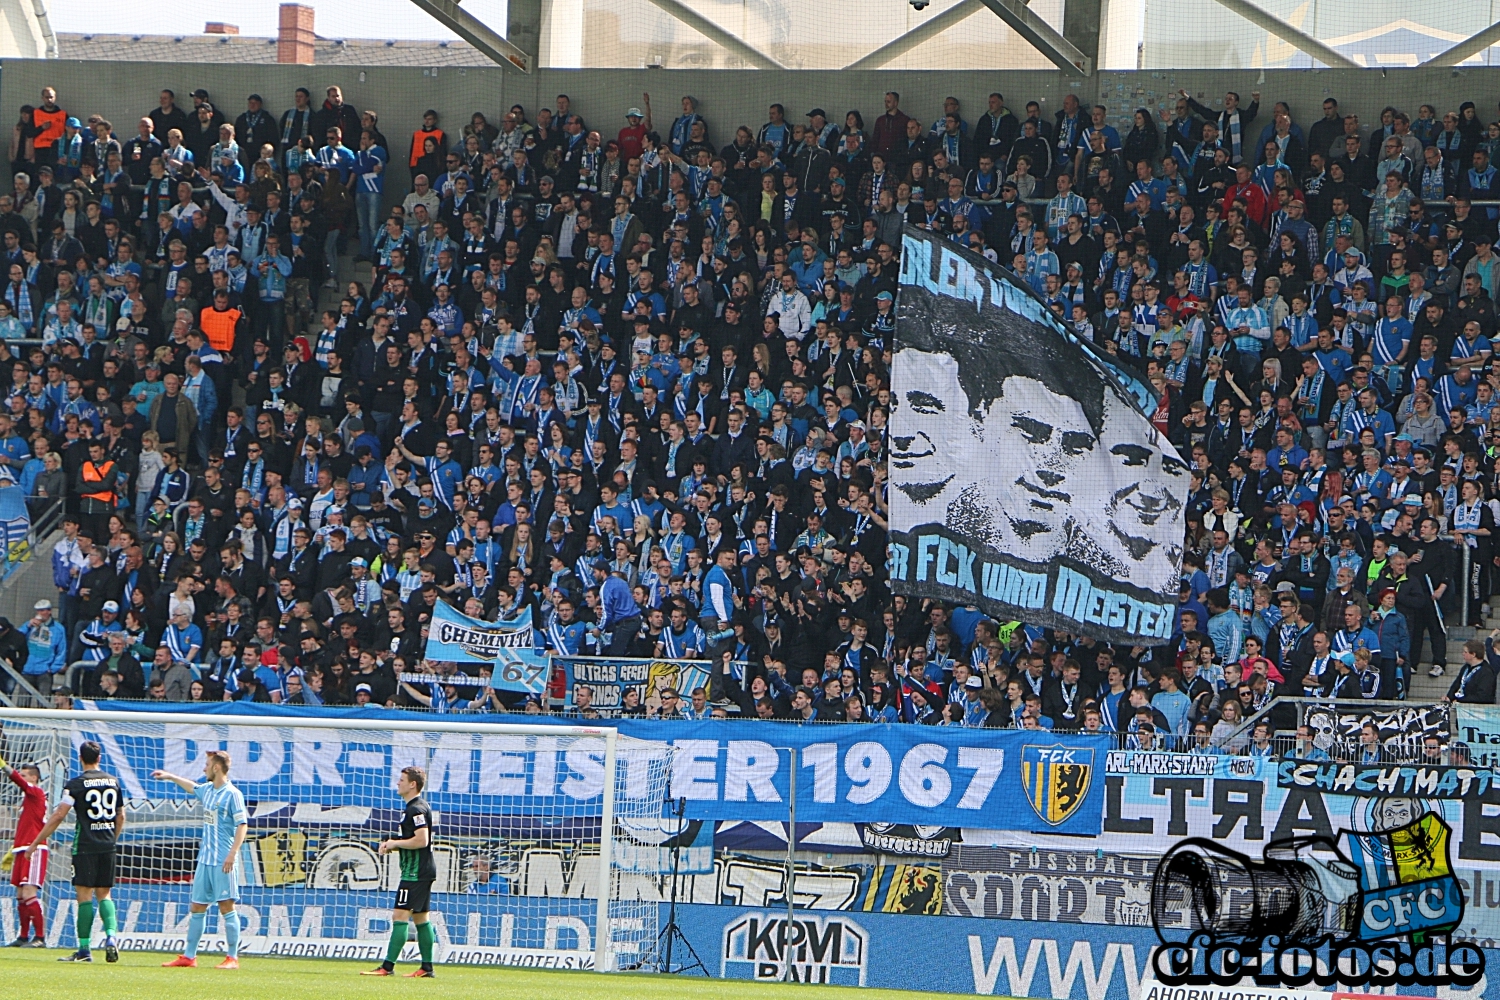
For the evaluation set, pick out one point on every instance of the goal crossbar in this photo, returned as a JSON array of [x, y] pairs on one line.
[[43, 716]]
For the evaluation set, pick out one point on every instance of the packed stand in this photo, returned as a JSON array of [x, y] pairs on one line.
[[637, 382]]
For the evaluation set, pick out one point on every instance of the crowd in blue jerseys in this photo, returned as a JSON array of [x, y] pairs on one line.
[[634, 378]]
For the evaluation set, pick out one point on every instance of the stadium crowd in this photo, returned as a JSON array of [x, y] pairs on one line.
[[636, 381]]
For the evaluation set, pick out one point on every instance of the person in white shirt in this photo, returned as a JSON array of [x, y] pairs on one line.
[[792, 309]]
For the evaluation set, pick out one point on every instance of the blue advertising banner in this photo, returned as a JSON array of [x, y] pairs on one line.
[[992, 778], [961, 955], [509, 647], [1013, 958]]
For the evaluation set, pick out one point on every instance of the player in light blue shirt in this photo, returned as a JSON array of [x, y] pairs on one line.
[[217, 878]]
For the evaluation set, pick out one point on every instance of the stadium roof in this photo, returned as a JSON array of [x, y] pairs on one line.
[[1397, 43], [221, 49]]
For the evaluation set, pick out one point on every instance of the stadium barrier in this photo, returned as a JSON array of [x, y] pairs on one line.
[[1021, 912]]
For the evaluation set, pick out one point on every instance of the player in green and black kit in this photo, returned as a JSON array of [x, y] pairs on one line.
[[418, 871], [95, 799]]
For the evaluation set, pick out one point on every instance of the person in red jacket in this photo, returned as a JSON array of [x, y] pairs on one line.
[[1257, 208], [28, 871], [889, 130]]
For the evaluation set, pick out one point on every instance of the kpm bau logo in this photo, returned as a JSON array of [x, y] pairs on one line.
[[830, 950]]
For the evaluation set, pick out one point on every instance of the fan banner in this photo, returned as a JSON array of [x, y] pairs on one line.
[[508, 647], [608, 678], [1027, 479]]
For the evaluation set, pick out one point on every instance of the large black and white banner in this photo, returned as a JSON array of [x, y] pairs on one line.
[[1027, 481]]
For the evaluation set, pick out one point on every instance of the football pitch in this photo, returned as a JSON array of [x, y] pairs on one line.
[[34, 974]]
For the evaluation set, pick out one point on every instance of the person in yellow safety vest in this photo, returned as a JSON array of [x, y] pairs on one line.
[[96, 488]]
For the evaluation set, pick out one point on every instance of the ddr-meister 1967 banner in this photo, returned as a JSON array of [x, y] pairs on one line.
[[1027, 480]]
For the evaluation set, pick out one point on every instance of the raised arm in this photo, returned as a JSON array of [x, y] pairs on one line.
[[186, 784]]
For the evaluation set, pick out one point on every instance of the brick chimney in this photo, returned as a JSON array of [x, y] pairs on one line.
[[295, 38], [220, 28]]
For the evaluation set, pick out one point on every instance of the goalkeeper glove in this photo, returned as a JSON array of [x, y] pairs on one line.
[[7, 861]]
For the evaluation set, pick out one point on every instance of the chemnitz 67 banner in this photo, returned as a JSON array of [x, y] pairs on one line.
[[1027, 480], [509, 647]]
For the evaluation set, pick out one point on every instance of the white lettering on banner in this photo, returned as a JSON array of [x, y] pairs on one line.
[[695, 770], [823, 759], [1061, 977], [748, 772], [923, 777], [316, 761], [504, 770], [1135, 762], [585, 760], [923, 781], [859, 779], [868, 766], [449, 768], [986, 763]]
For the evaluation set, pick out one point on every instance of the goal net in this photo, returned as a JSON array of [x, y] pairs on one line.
[[551, 843]]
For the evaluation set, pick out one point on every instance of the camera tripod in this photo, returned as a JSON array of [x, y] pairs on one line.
[[671, 935]]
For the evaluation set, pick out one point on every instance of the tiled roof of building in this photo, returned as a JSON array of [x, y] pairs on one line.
[[222, 49]]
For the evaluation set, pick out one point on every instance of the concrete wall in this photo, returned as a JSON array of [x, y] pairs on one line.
[[124, 91]]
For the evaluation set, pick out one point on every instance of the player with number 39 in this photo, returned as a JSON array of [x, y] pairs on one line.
[[95, 800]]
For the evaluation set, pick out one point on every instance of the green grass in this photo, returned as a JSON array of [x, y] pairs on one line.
[[35, 974]]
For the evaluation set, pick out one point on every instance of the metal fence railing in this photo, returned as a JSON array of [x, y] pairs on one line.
[[46, 516]]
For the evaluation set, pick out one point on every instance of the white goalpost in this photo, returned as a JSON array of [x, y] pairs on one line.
[[545, 834]]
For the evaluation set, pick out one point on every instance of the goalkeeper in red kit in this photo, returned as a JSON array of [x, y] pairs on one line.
[[28, 871]]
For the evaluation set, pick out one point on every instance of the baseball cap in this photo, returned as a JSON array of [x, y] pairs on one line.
[[363, 687], [42, 606], [112, 607], [358, 561], [634, 113], [815, 112], [886, 296], [974, 682]]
